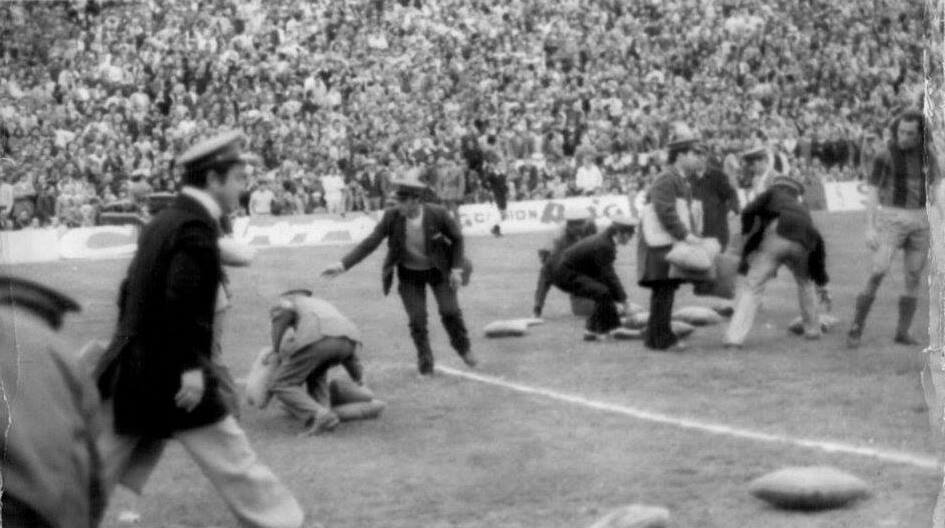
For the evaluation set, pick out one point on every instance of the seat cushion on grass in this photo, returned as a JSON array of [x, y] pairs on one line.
[[624, 334], [259, 379], [682, 329], [809, 488], [636, 321], [529, 321], [510, 328], [698, 316], [827, 323], [635, 516]]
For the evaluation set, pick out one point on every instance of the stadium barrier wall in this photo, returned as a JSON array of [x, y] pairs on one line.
[[531, 216]]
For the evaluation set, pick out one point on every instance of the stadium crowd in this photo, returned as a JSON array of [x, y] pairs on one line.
[[564, 98]]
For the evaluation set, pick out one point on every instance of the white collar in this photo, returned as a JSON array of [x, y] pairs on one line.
[[204, 199]]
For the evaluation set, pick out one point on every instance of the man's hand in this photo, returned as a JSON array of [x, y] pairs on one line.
[[872, 238], [692, 239], [334, 270], [191, 390], [456, 278]]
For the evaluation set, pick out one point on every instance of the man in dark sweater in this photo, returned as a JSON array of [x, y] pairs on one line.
[[717, 196], [782, 233], [896, 219], [586, 269]]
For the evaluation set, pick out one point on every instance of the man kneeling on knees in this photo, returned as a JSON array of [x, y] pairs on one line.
[[309, 336]]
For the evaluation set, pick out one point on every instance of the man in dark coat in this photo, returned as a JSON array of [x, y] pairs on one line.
[[586, 269], [52, 473], [667, 220], [578, 225], [424, 247], [782, 233], [717, 196], [158, 375]]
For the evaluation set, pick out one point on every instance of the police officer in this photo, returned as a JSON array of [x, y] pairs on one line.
[[158, 373], [578, 225], [52, 475], [586, 269]]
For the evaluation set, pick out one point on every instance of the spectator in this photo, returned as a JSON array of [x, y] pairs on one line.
[[261, 200], [589, 179], [334, 188], [517, 77]]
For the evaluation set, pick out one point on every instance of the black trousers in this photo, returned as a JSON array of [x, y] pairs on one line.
[[659, 331], [605, 317], [412, 286], [541, 290]]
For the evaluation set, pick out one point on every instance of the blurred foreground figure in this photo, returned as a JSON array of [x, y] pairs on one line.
[[158, 375], [932, 376], [51, 469]]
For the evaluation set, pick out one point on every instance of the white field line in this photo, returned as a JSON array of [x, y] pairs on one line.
[[887, 455], [899, 457]]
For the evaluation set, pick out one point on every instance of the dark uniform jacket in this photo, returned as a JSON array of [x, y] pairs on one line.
[[594, 257], [568, 236], [52, 474], [794, 223], [444, 242], [165, 325], [718, 197]]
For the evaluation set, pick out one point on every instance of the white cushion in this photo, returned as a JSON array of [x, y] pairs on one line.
[[815, 487], [626, 333], [259, 379], [636, 321], [827, 323], [682, 328], [698, 316], [511, 328], [694, 257], [529, 321], [635, 516]]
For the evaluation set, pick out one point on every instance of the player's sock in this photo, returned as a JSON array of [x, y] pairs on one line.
[[907, 308], [863, 304]]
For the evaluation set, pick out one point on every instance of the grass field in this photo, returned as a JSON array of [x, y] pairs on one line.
[[455, 452]]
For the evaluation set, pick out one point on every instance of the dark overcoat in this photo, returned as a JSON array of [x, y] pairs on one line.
[[165, 325]]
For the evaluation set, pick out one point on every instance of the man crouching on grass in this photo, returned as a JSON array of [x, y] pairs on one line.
[[309, 336]]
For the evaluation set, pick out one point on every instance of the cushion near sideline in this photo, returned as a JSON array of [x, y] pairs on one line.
[[809, 488]]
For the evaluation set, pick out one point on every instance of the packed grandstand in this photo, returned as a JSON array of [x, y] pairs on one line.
[[98, 98]]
